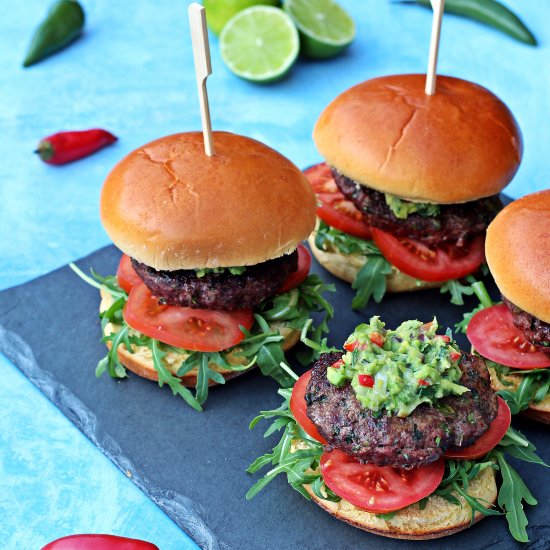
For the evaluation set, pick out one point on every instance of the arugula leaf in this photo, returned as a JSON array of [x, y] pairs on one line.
[[329, 238], [510, 496], [300, 466], [458, 290], [261, 345], [518, 446], [370, 281], [387, 516], [534, 386], [166, 377]]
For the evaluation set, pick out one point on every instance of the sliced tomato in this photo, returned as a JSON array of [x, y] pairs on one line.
[[184, 327], [490, 439], [430, 264], [335, 209], [493, 334], [378, 489], [298, 407], [296, 278], [126, 274]]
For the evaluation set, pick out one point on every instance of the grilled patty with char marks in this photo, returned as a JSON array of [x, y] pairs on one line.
[[420, 438], [218, 290], [455, 224], [536, 332]]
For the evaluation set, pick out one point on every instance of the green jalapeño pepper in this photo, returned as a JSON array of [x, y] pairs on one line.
[[489, 12], [62, 25]]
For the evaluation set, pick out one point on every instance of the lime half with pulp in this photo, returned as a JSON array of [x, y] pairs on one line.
[[219, 12], [260, 44], [325, 27]]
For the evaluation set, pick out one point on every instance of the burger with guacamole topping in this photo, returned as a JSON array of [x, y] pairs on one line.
[[213, 279], [399, 434], [411, 182], [514, 335]]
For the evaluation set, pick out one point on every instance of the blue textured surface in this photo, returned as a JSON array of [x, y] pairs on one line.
[[132, 73]]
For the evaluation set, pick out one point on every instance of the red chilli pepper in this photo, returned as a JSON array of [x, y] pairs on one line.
[[377, 338], [65, 147], [338, 364], [351, 346], [455, 355], [443, 337], [423, 382], [99, 542], [366, 380]]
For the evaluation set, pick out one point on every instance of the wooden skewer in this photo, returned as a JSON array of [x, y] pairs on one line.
[[203, 69], [431, 77]]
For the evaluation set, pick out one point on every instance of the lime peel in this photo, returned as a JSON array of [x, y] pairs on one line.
[[325, 27]]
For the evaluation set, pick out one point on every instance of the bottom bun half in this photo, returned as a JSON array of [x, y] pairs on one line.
[[346, 267], [537, 411], [140, 360], [438, 519]]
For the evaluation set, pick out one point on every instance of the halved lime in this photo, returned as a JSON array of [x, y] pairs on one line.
[[325, 27], [260, 44], [219, 12]]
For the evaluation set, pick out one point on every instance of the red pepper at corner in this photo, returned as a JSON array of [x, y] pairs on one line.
[[366, 380], [65, 147], [99, 542]]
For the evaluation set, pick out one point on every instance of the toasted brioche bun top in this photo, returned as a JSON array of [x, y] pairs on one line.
[[171, 207], [518, 253], [458, 145]]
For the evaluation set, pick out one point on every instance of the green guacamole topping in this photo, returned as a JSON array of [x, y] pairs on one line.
[[233, 270], [402, 208], [397, 370]]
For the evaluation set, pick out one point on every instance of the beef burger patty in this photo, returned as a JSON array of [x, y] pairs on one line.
[[218, 290], [455, 224], [420, 438], [536, 332]]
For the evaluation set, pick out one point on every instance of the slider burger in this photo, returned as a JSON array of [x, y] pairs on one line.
[[410, 183], [399, 434], [213, 279], [515, 335]]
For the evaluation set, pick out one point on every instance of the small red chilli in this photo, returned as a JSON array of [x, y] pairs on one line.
[[444, 337], [423, 382], [455, 355], [366, 380], [99, 542], [65, 147], [351, 346], [377, 339], [338, 364]]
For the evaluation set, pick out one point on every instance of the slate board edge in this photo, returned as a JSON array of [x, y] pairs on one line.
[[182, 510]]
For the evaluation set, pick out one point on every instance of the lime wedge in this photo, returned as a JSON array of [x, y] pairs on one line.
[[325, 27], [260, 44], [219, 12]]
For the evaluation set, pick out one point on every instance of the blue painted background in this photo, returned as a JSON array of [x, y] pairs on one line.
[[132, 73]]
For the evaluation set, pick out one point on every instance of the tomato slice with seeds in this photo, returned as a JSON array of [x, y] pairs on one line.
[[297, 277], [430, 264], [184, 327], [298, 407], [126, 274], [378, 489], [490, 439], [335, 210], [493, 334]]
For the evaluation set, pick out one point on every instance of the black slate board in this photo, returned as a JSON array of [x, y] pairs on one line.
[[191, 464]]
